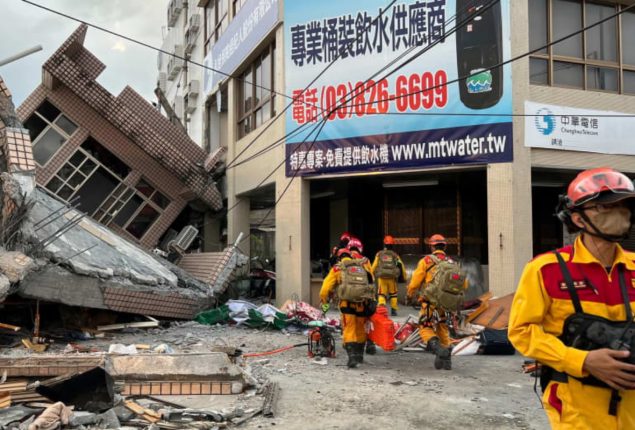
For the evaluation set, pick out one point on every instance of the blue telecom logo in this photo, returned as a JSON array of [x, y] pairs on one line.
[[545, 121]]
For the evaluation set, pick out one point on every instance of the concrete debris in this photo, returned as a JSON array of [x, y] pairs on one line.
[[5, 286], [15, 265]]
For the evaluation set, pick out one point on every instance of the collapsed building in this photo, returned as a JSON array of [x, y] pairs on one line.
[[91, 183]]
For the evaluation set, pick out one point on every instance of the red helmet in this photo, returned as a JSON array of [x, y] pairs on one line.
[[602, 185], [355, 243], [343, 251], [389, 240], [437, 239], [345, 236]]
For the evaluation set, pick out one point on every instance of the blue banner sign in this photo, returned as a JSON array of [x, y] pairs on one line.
[[401, 117], [245, 32]]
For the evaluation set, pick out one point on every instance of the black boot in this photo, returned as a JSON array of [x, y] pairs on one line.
[[371, 349], [442, 359], [352, 358], [393, 312], [359, 352]]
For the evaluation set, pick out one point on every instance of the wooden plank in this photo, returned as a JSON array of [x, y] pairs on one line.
[[5, 399], [496, 316], [10, 327], [141, 324]]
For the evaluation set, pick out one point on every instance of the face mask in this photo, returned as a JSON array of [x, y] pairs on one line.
[[616, 222]]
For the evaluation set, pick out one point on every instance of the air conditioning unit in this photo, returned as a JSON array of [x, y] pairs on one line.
[[184, 239], [190, 105], [174, 10], [195, 22], [175, 64], [179, 106], [193, 88], [162, 81], [190, 41]]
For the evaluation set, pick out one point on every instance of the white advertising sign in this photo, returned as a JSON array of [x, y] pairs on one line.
[[561, 127]]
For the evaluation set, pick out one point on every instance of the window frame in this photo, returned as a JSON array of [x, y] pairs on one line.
[[214, 29], [103, 213], [51, 125], [251, 113], [617, 66]]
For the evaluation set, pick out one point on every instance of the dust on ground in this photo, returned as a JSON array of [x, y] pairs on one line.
[[390, 390]]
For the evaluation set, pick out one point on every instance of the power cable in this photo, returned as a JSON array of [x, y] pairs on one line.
[[501, 64], [298, 129], [280, 114], [321, 126], [154, 48], [445, 84], [370, 79]]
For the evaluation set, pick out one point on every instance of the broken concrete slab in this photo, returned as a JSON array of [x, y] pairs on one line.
[[16, 414], [15, 265], [176, 368], [49, 365], [5, 286]]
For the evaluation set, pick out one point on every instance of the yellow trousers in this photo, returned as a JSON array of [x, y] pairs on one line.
[[387, 289], [575, 406], [429, 328], [353, 326]]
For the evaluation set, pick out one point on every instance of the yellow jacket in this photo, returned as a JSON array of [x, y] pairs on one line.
[[540, 308]]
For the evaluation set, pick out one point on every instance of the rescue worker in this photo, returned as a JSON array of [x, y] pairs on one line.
[[388, 269], [344, 239], [355, 314], [593, 277], [357, 248], [433, 328]]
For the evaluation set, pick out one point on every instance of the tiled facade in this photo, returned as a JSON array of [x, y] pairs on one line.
[[126, 125]]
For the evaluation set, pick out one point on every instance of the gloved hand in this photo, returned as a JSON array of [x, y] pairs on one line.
[[325, 307]]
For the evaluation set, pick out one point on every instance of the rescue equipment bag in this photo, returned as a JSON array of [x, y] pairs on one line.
[[590, 332], [387, 265], [445, 289], [495, 342], [355, 286]]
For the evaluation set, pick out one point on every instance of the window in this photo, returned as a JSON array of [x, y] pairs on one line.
[[49, 130], [237, 5], [256, 102], [590, 60], [216, 20], [95, 176], [133, 209]]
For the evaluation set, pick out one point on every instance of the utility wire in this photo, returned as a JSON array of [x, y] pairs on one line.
[[321, 125], [280, 114], [390, 63], [323, 122], [298, 129], [501, 64], [325, 117], [147, 45]]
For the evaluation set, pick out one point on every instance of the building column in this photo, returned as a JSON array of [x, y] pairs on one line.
[[238, 207], [509, 203], [293, 266]]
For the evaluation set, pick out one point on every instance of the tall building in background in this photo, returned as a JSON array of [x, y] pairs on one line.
[[449, 143]]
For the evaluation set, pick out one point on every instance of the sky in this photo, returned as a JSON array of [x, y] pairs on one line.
[[24, 26]]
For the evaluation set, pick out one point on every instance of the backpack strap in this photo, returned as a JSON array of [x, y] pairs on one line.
[[625, 296], [569, 282]]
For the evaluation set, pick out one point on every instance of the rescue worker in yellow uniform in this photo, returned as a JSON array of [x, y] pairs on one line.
[[354, 314], [356, 247], [566, 309], [388, 269], [433, 327]]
